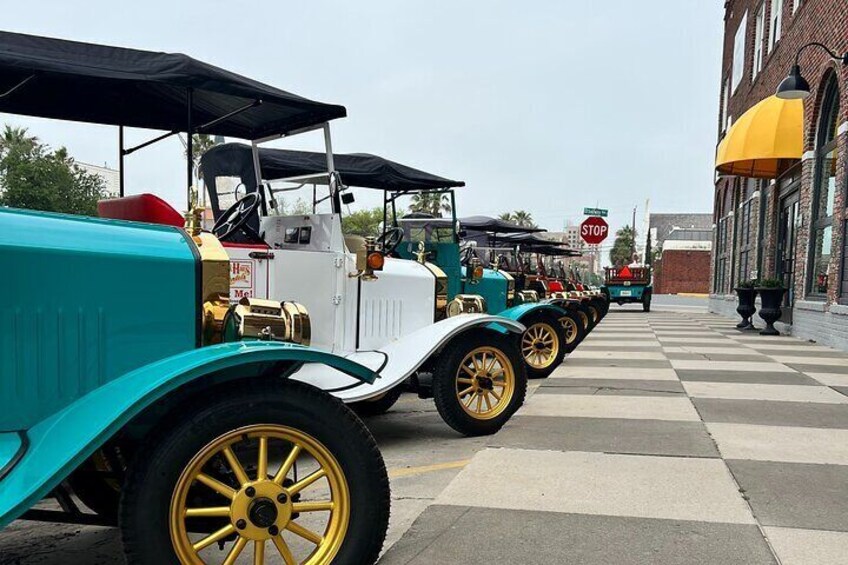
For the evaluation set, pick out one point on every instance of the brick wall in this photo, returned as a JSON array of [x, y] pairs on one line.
[[824, 21], [682, 271]]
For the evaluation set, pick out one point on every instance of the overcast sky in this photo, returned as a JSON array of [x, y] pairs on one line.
[[548, 106]]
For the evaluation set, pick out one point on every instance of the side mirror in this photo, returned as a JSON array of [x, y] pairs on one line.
[[347, 198], [462, 234]]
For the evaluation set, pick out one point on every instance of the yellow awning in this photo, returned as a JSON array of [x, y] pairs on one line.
[[767, 133]]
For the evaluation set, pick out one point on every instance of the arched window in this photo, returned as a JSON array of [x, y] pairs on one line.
[[824, 192]]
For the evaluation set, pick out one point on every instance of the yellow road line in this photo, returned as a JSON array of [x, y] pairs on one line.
[[409, 471]]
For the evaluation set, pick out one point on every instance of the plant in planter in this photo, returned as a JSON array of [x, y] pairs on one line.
[[771, 294], [747, 293]]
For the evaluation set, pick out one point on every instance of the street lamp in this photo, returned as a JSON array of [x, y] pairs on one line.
[[795, 86]]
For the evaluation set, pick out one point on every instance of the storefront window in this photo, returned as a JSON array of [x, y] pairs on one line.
[[825, 192]]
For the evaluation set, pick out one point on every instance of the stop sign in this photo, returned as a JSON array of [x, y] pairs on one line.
[[594, 230]]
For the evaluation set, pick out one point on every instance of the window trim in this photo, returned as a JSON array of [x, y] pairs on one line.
[[759, 37], [830, 104], [742, 56], [775, 23]]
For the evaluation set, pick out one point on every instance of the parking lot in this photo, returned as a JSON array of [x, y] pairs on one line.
[[667, 437]]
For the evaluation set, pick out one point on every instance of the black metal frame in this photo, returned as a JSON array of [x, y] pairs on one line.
[[190, 131]]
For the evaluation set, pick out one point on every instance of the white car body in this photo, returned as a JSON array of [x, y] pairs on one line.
[[387, 324]]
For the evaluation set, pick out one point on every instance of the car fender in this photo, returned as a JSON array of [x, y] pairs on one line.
[[399, 359], [39, 459], [518, 312]]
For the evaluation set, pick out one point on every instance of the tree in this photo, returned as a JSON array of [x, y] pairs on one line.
[[523, 218], [35, 177], [430, 203], [622, 249], [363, 222]]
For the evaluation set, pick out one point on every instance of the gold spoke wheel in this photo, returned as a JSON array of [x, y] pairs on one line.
[[570, 327], [249, 500], [485, 383], [540, 345]]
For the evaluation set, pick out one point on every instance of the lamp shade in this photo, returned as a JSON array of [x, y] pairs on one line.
[[794, 86]]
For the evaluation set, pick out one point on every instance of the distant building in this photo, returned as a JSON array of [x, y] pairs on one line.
[[111, 177], [681, 246]]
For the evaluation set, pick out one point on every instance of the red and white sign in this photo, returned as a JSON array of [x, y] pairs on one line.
[[241, 279], [594, 230]]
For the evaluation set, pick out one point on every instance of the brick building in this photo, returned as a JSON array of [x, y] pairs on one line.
[[682, 260], [780, 191]]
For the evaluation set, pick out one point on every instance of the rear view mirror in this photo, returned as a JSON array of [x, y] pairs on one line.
[[347, 198]]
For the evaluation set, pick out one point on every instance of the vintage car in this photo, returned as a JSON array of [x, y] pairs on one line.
[[629, 284], [168, 412], [518, 250], [397, 320]]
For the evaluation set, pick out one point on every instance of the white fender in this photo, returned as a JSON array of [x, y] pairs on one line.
[[397, 360]]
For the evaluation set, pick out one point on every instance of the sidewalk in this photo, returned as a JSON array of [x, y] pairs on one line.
[[666, 438]]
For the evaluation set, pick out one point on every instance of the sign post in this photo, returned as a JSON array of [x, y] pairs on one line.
[[594, 230]]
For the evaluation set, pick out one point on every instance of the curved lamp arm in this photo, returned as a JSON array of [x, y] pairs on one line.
[[834, 56]]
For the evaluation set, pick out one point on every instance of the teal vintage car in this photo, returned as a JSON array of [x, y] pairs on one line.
[[629, 284], [131, 392]]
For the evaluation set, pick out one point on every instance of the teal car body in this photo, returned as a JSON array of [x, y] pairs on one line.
[[622, 293], [493, 286], [101, 321]]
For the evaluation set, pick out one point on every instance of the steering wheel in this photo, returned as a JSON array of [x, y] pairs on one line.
[[467, 254], [389, 240], [235, 218]]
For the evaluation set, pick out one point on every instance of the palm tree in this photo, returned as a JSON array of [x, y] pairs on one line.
[[523, 218], [430, 203], [506, 216]]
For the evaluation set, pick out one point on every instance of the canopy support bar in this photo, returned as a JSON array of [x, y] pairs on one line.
[[189, 148], [17, 86], [121, 161], [132, 150], [226, 117]]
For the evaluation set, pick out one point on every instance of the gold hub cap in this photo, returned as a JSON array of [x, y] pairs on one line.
[[570, 327], [540, 345], [259, 484], [485, 383]]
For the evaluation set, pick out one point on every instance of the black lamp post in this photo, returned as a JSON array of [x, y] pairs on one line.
[[795, 86]]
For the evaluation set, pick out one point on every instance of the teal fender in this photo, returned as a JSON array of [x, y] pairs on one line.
[[518, 312], [59, 443]]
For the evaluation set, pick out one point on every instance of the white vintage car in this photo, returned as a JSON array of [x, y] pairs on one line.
[[386, 313]]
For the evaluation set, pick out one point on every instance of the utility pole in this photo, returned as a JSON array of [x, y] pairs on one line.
[[633, 240]]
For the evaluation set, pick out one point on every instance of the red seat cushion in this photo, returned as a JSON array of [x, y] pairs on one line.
[[555, 286], [140, 208]]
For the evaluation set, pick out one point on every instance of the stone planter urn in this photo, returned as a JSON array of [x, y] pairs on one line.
[[770, 310], [746, 307]]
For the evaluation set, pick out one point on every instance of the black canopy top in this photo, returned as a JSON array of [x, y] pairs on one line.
[[494, 225], [355, 169], [69, 80]]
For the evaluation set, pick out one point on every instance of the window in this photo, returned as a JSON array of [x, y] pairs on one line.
[[758, 41], [795, 5], [725, 98], [776, 23], [745, 229], [739, 53], [821, 228], [724, 249]]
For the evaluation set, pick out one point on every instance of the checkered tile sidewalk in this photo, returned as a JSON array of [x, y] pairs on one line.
[[665, 438]]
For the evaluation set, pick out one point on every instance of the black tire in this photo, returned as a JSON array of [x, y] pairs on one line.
[[646, 302], [100, 494], [546, 319], [379, 405], [152, 476], [573, 318], [445, 384], [586, 317]]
